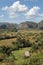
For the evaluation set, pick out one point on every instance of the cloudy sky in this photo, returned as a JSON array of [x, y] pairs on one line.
[[16, 11]]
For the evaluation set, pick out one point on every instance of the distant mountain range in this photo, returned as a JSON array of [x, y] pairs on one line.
[[23, 25]]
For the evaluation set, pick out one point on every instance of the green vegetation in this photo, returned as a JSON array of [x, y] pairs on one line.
[[14, 44]]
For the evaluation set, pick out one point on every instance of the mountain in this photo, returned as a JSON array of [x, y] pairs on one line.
[[40, 25], [23, 25], [8, 26], [28, 25]]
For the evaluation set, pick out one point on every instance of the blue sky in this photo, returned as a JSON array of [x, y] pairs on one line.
[[16, 11]]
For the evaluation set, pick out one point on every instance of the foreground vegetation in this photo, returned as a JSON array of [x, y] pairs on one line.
[[14, 44]]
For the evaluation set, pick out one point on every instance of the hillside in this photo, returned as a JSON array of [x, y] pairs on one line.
[[40, 24], [28, 25], [23, 25]]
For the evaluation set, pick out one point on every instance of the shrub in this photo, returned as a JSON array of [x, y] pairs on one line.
[[2, 57], [35, 61], [34, 47], [5, 50]]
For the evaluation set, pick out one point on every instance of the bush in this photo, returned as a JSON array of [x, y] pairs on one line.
[[35, 61], [34, 47], [40, 44], [5, 50], [2, 57], [23, 42]]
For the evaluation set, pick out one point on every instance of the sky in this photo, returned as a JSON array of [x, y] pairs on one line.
[[17, 11]]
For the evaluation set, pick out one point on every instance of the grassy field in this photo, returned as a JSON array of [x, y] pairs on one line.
[[7, 42], [19, 55]]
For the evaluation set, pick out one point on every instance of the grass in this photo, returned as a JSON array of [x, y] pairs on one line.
[[7, 42], [19, 55]]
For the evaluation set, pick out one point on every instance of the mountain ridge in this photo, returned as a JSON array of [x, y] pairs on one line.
[[23, 25]]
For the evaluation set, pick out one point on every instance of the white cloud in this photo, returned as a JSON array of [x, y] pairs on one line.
[[1, 16], [22, 8], [13, 15], [14, 8], [41, 14], [33, 12], [18, 7], [5, 8]]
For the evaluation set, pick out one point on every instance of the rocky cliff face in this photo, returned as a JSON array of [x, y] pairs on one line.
[[40, 25], [28, 25]]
